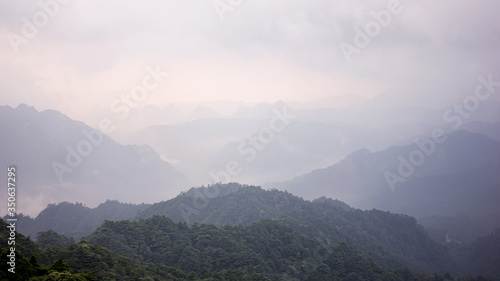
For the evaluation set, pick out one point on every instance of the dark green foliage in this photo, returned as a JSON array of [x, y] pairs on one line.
[[263, 247], [63, 276], [260, 251], [23, 269], [258, 235], [50, 239], [101, 262], [480, 257], [31, 270], [60, 266], [24, 245], [461, 227], [160, 249], [76, 220], [393, 241], [39, 269], [484, 255]]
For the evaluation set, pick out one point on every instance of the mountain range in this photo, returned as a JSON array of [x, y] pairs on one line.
[[160, 249], [392, 241], [447, 179], [381, 236], [74, 160], [459, 176]]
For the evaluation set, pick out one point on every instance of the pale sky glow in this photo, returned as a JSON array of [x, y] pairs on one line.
[[90, 52], [357, 73]]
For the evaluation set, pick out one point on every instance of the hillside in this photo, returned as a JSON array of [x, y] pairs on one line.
[[458, 176], [159, 249], [265, 247], [393, 241], [60, 159], [75, 220], [483, 255]]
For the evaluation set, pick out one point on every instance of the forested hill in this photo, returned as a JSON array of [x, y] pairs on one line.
[[267, 248], [75, 219], [160, 249], [393, 241], [481, 256]]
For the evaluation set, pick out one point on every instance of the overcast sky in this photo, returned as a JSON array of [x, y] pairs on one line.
[[88, 53]]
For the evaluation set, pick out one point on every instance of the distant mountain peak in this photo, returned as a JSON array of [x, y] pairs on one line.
[[360, 153], [55, 152], [23, 106]]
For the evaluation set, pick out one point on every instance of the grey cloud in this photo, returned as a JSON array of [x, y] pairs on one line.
[[429, 42]]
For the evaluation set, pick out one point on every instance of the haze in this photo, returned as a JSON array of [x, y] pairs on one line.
[[229, 71], [91, 52]]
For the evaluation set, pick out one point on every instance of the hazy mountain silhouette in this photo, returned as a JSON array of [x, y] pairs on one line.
[[460, 176], [367, 231], [76, 220], [59, 159]]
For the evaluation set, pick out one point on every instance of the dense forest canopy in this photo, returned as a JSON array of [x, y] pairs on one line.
[[246, 233]]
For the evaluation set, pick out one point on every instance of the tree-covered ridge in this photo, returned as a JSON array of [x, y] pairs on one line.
[[392, 240], [31, 270], [154, 247], [265, 248], [50, 239], [24, 245], [76, 220], [42, 265], [481, 256], [83, 260]]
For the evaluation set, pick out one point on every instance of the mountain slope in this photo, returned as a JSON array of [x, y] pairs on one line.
[[484, 255], [458, 176], [76, 220], [59, 159], [361, 175], [265, 247], [393, 241], [157, 249]]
